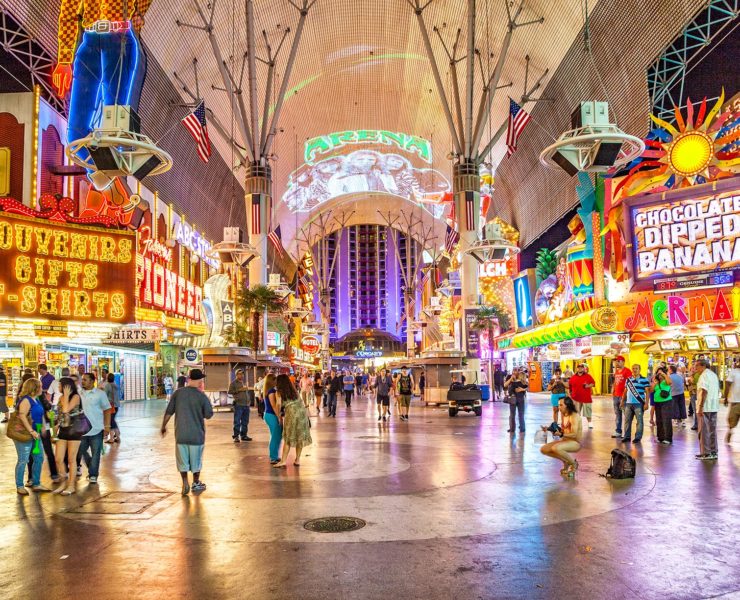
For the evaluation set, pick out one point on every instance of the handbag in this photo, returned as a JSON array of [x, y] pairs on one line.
[[16, 431], [79, 424]]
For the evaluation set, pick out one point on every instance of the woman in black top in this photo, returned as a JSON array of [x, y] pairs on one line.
[[516, 386]]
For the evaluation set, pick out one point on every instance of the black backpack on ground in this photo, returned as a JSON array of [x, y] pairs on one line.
[[623, 465]]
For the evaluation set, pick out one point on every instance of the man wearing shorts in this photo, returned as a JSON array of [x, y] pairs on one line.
[[383, 386], [191, 408], [405, 389], [580, 386]]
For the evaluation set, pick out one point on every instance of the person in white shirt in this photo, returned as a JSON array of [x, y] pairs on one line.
[[98, 410], [732, 397], [55, 389], [707, 405]]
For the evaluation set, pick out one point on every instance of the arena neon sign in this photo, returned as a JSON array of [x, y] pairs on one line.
[[686, 236], [325, 144], [677, 310], [57, 270]]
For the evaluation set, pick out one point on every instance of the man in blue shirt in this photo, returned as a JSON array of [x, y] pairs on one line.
[[634, 402]]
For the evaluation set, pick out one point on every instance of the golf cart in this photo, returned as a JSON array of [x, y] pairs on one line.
[[466, 396]]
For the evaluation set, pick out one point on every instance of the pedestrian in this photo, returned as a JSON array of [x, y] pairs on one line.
[[31, 415], [405, 389], [169, 386], [662, 368], [707, 405], [732, 397], [98, 411], [358, 384], [306, 387], [556, 387], [499, 376], [635, 403], [570, 434], [383, 388], [567, 374], [663, 407], [678, 394], [335, 387], [516, 386], [259, 396], [296, 425], [621, 375], [349, 386], [114, 398], [691, 381], [318, 391], [181, 380], [581, 386], [68, 437], [191, 408], [238, 391], [45, 377], [422, 387], [46, 433], [395, 397], [3, 395], [273, 419]]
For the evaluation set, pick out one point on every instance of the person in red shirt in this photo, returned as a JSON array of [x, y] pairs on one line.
[[621, 373], [581, 385]]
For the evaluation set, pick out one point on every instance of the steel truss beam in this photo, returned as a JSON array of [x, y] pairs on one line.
[[17, 42], [667, 74]]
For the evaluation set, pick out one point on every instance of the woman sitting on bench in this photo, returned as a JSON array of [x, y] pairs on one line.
[[570, 436]]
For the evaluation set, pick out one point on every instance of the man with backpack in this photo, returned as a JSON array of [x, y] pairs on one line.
[[635, 402], [405, 389]]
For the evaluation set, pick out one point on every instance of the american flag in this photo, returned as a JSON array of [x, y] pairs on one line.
[[451, 239], [256, 214], [470, 211], [196, 124], [276, 240], [424, 278], [518, 119]]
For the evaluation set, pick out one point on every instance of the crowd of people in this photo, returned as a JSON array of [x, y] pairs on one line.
[[66, 421]]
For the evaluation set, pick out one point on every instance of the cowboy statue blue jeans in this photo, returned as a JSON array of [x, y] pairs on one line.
[[109, 69]]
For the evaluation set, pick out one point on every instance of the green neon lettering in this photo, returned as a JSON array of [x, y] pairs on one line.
[[314, 146], [421, 146], [367, 135], [660, 313]]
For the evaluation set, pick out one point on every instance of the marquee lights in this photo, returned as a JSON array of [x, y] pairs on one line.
[[64, 271]]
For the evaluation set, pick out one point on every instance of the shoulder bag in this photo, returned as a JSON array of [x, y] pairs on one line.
[[79, 424], [16, 431]]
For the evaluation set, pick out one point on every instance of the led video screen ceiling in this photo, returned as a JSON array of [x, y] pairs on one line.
[[350, 162]]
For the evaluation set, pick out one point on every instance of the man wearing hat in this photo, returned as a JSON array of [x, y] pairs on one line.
[[238, 391], [621, 374], [191, 408]]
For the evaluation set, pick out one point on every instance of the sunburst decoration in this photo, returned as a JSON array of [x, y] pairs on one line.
[[696, 149]]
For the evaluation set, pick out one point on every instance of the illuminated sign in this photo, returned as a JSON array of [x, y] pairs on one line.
[[311, 344], [273, 338], [62, 271], [694, 282], [325, 144], [472, 342], [350, 162], [677, 310], [368, 353], [686, 236], [494, 268], [166, 290], [193, 241], [523, 299], [134, 335]]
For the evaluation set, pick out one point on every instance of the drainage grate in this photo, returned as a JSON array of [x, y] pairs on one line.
[[334, 524]]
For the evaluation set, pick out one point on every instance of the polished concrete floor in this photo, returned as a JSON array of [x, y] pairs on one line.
[[455, 508]]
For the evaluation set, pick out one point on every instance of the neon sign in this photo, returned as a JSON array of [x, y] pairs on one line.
[[325, 144], [166, 290], [193, 241], [65, 271], [686, 236], [351, 162], [677, 310]]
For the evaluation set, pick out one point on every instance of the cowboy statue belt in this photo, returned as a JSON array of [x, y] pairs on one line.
[[106, 26]]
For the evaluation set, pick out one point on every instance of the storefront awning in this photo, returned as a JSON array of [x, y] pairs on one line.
[[599, 320]]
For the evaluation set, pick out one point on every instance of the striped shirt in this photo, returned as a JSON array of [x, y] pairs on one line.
[[639, 384]]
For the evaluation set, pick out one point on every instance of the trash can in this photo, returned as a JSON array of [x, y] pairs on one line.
[[485, 392]]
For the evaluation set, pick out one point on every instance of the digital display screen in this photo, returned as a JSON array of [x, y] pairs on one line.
[[730, 340], [712, 342], [693, 345], [670, 345]]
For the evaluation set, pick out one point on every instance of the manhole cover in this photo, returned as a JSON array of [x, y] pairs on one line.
[[334, 524]]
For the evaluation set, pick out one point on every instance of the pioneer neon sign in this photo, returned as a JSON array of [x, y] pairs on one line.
[[166, 290], [687, 236], [677, 310], [325, 144]]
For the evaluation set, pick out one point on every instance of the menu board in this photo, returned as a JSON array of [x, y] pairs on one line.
[[546, 369]]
